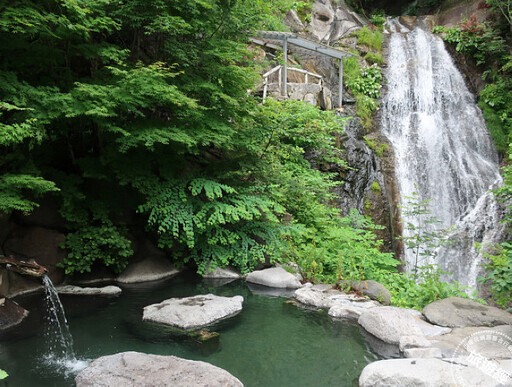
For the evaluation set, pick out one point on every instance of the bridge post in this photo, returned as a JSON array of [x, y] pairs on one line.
[[285, 68], [340, 104]]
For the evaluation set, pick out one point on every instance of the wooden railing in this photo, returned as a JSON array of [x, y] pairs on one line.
[[279, 69]]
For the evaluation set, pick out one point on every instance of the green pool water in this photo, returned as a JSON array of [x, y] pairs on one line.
[[270, 343]]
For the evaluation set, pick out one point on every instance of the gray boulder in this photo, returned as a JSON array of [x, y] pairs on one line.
[[350, 311], [193, 312], [88, 291], [426, 353], [424, 373], [461, 312], [370, 288], [448, 343], [325, 296], [390, 323], [275, 277], [140, 369], [150, 269], [408, 342], [11, 314], [293, 268]]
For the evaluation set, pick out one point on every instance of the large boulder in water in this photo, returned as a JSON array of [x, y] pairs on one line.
[[340, 304], [11, 314], [140, 369], [275, 277], [461, 312], [193, 312], [390, 323]]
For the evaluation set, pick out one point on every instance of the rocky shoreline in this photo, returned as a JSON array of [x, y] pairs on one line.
[[429, 342]]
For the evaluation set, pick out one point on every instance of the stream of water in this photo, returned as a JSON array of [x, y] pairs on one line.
[[442, 147], [60, 354], [270, 343]]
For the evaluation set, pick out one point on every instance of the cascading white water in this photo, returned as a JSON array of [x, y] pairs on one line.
[[442, 147], [60, 342]]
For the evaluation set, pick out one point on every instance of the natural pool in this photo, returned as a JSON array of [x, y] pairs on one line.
[[270, 343]]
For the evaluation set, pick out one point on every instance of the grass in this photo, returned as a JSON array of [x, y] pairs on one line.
[[372, 58], [371, 39]]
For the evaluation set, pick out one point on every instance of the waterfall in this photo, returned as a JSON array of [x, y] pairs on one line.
[[60, 342], [442, 147]]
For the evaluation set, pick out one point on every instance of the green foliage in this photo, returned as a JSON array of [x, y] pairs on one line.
[[115, 98], [374, 58], [378, 147], [104, 244], [303, 9], [351, 68], [370, 38], [485, 43], [365, 109], [480, 41], [423, 235], [375, 187], [368, 82], [218, 225], [378, 19], [364, 83], [505, 9], [345, 248], [496, 127], [13, 188], [3, 374], [499, 273], [420, 289]]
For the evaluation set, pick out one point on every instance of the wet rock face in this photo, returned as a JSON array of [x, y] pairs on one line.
[[140, 369], [367, 185]]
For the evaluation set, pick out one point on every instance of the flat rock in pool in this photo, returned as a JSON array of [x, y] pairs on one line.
[[140, 369], [193, 312], [88, 291]]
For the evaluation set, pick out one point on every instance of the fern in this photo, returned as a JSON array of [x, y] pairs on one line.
[[217, 224]]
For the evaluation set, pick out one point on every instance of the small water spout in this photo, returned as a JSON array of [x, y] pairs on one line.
[[61, 354], [60, 341]]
